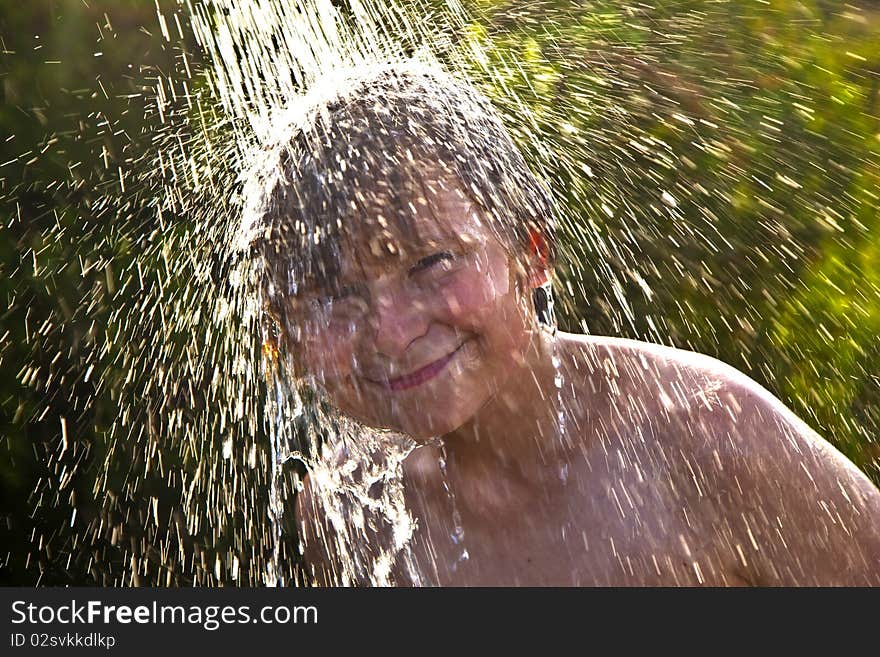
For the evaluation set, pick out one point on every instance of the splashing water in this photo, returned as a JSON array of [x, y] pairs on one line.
[[642, 122]]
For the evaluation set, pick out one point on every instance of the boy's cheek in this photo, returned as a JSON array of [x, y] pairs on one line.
[[479, 290], [328, 357], [470, 296]]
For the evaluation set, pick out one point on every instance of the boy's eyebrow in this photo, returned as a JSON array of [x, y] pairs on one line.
[[317, 291], [441, 239], [307, 290], [313, 284]]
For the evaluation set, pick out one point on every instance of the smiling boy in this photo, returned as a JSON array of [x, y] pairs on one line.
[[402, 239]]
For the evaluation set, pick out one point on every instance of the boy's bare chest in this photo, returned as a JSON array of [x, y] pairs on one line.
[[615, 527]]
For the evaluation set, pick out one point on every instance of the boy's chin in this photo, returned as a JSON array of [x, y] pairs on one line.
[[426, 428]]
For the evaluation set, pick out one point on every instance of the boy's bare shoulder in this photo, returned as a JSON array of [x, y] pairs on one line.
[[809, 515], [677, 384], [648, 365], [716, 408]]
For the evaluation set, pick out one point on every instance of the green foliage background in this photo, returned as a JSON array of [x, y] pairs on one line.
[[759, 119]]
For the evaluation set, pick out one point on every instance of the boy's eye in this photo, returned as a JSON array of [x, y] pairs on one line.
[[336, 295], [345, 303], [431, 261], [341, 294]]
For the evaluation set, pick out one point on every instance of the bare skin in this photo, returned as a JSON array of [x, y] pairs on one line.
[[681, 472], [669, 468]]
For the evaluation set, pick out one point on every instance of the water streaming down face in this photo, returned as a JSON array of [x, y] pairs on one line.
[[619, 152], [400, 166]]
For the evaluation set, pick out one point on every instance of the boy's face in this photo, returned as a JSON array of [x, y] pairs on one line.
[[417, 337]]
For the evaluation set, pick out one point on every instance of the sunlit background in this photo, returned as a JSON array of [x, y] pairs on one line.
[[717, 164]]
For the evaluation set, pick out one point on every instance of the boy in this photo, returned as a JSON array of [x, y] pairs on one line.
[[403, 243]]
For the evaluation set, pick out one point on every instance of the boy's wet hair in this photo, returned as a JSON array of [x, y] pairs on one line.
[[353, 163]]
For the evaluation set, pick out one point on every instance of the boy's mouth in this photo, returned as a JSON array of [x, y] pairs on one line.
[[419, 376]]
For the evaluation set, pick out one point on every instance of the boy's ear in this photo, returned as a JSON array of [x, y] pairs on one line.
[[538, 263], [538, 274]]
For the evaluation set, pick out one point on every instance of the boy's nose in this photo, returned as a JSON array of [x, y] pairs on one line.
[[398, 320]]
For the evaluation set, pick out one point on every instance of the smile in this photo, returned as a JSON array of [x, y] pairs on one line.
[[421, 375]]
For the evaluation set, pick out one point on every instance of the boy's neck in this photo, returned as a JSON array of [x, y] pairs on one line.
[[514, 441]]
